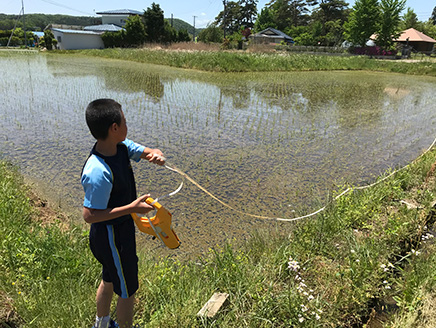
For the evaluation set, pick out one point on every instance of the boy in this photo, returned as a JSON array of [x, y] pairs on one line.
[[110, 198]]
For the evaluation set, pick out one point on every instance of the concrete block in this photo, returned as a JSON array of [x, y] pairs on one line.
[[217, 302]]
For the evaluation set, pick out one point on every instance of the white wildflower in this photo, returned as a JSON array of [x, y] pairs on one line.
[[293, 265], [384, 267]]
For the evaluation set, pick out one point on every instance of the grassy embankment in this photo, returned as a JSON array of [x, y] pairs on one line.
[[222, 61], [332, 270]]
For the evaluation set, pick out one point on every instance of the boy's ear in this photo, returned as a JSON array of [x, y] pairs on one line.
[[113, 127]]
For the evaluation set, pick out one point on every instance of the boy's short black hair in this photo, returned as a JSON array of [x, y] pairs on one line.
[[100, 115]]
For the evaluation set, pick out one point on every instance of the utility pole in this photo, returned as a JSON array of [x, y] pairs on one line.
[[24, 24], [193, 37], [171, 20], [224, 17]]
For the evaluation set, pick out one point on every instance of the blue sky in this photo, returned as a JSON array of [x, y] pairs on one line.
[[204, 10]]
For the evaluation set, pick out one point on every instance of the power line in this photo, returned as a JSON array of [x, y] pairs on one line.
[[66, 7]]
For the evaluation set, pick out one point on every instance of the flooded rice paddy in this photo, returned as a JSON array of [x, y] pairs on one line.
[[270, 144]]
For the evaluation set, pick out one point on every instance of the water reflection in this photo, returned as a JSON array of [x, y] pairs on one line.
[[273, 144], [129, 79]]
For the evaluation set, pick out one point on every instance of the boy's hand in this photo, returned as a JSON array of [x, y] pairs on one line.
[[140, 206], [155, 156]]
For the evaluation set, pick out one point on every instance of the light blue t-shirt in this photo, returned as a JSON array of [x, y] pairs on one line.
[[97, 177]]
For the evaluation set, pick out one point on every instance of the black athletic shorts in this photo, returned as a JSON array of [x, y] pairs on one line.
[[114, 247]]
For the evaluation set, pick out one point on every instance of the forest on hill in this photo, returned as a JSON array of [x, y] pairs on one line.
[[37, 22]]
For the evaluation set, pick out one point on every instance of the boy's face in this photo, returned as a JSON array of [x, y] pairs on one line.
[[122, 128]]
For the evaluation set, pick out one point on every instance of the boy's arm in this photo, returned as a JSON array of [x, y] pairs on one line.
[[139, 205], [153, 156], [138, 151]]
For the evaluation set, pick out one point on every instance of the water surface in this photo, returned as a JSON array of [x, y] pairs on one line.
[[272, 144]]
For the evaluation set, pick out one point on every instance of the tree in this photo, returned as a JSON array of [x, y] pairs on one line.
[[211, 34], [335, 32], [230, 18], [135, 31], [331, 10], [154, 23], [428, 28], [433, 16], [49, 39], [410, 19], [114, 39], [308, 35], [332, 14], [390, 22], [17, 38], [265, 20], [362, 22], [289, 13], [298, 12], [170, 33], [183, 35], [248, 12]]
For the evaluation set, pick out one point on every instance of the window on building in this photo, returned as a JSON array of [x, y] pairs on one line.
[[59, 39]]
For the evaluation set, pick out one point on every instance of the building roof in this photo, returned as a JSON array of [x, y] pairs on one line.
[[75, 31], [38, 34], [103, 28], [120, 12], [414, 35], [272, 33]]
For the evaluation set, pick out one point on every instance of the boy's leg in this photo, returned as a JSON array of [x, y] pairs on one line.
[[125, 311], [104, 298]]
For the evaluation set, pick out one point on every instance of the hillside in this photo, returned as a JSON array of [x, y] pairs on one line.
[[38, 22], [179, 24]]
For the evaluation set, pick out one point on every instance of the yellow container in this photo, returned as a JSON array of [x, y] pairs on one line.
[[160, 226]]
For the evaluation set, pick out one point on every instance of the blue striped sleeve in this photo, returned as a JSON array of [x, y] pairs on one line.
[[97, 183], [135, 150]]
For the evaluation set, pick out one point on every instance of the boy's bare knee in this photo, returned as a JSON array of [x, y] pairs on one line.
[[106, 287]]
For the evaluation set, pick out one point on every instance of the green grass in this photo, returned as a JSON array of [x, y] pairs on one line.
[[223, 61], [45, 270], [349, 259]]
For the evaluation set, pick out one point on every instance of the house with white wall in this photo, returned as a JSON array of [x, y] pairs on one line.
[[271, 36], [69, 39], [118, 17], [89, 37]]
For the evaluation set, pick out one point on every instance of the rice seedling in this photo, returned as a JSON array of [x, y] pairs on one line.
[[320, 127]]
